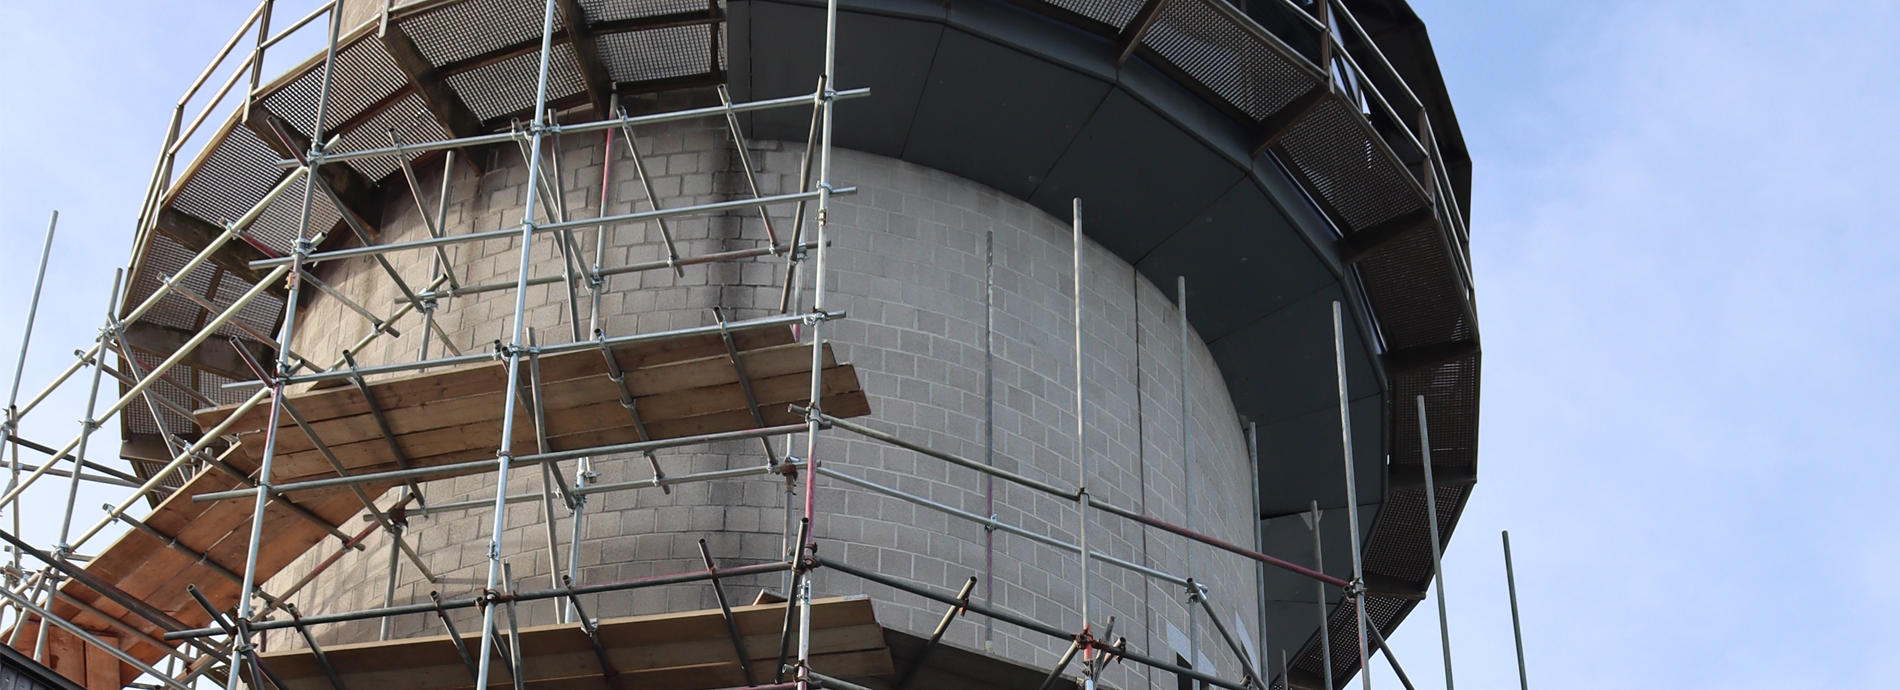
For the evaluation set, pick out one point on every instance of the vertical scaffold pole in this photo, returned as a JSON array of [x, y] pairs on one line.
[[87, 425], [1081, 437], [242, 646], [1438, 548], [1187, 474], [1517, 628], [826, 99], [12, 422], [513, 390], [1358, 590], [989, 432], [1261, 667], [1325, 621]]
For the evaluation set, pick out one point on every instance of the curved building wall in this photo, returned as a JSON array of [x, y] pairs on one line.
[[907, 263]]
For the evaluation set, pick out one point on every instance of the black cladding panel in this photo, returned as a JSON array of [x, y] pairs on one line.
[[889, 55], [1140, 175], [998, 116], [1245, 259], [1301, 458], [1283, 365]]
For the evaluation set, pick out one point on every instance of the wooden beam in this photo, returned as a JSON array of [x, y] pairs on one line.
[[1130, 37], [1282, 121], [1408, 360], [593, 72], [1361, 244], [215, 357], [196, 233], [448, 108], [359, 194]]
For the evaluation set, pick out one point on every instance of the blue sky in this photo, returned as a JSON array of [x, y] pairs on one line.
[[1683, 230]]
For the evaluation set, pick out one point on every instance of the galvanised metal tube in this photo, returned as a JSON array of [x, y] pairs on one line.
[[478, 465], [472, 602], [222, 54], [745, 160], [33, 584], [1081, 430], [1386, 649], [389, 590], [325, 7], [989, 428], [1325, 621], [183, 351], [243, 408], [122, 626], [87, 425], [1018, 621], [99, 478], [1517, 629], [1222, 545], [505, 453], [765, 322], [1358, 590], [609, 123], [165, 287], [713, 475], [530, 229], [1002, 526], [611, 271], [1438, 551], [11, 424], [242, 68], [1240, 654], [826, 100], [241, 647], [1187, 465], [582, 471], [157, 477], [1259, 542], [653, 200], [1094, 503], [868, 432]]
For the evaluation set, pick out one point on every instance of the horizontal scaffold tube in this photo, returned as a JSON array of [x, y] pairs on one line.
[[518, 461], [475, 601], [609, 123], [1017, 621], [166, 285], [544, 350], [773, 250], [652, 483], [993, 523], [1070, 495], [133, 392], [515, 232]]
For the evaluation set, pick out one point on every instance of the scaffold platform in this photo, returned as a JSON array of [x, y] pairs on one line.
[[430, 425]]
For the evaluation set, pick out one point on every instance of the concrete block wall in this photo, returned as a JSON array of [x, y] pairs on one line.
[[907, 262]]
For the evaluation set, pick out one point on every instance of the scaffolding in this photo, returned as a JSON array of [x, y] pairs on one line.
[[197, 475]]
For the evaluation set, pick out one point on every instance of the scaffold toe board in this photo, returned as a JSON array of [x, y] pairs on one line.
[[692, 650]]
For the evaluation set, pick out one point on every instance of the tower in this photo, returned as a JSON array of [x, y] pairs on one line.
[[1039, 413]]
